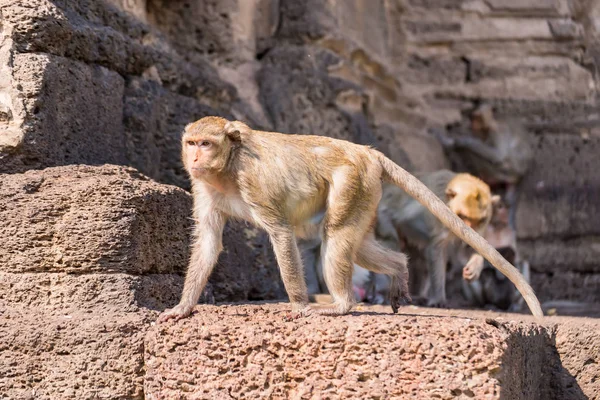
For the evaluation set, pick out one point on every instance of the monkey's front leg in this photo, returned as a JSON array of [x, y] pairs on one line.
[[208, 243], [290, 265]]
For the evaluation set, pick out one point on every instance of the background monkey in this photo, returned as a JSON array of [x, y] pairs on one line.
[[401, 216], [281, 182], [500, 153], [482, 285]]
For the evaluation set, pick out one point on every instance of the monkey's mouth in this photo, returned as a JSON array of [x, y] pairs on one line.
[[197, 172]]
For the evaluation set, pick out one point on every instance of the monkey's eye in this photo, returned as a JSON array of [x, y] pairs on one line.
[[205, 144], [191, 143]]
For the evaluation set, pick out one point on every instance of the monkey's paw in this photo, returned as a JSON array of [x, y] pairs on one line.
[[470, 272], [297, 313], [397, 301], [176, 313], [437, 303]]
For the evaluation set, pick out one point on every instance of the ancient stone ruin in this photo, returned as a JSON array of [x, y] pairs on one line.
[[95, 216]]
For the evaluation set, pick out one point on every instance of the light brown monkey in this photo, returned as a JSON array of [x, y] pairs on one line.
[[280, 182], [482, 285], [500, 153], [400, 215]]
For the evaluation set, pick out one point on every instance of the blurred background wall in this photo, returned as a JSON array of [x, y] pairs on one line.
[[115, 81]]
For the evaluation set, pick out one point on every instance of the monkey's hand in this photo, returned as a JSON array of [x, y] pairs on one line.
[[472, 271], [176, 313]]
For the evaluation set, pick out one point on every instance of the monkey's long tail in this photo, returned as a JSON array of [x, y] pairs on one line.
[[397, 175]]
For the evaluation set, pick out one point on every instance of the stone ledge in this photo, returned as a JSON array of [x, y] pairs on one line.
[[250, 350], [92, 354]]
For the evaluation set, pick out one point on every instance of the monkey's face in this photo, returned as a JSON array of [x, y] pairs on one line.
[[500, 213], [203, 156], [206, 147], [481, 120], [471, 200]]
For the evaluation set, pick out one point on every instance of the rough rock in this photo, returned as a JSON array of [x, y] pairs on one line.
[[63, 97], [578, 345], [567, 285], [82, 219], [49, 354], [109, 219], [255, 351], [68, 112]]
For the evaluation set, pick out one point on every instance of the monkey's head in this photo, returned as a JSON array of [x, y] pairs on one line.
[[482, 119], [470, 198], [500, 213], [206, 145]]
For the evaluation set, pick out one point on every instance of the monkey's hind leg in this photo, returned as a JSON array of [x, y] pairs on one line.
[[336, 253], [374, 257], [351, 210]]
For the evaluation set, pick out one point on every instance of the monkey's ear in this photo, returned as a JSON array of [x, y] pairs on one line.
[[234, 129], [450, 193], [496, 199]]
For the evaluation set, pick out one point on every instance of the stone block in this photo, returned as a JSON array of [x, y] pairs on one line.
[[72, 293], [455, 29], [435, 70], [253, 351], [92, 219], [578, 254], [549, 78], [559, 191], [530, 7], [578, 345], [91, 354], [567, 285], [70, 113], [566, 29]]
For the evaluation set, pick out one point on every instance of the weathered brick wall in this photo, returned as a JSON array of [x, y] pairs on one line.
[[115, 81]]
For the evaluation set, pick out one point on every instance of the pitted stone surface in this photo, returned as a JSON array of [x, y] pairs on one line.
[[82, 219], [253, 351]]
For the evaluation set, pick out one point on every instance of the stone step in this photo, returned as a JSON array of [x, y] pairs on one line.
[[255, 351]]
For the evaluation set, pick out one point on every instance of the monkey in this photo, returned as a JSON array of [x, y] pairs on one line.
[[280, 182], [500, 153], [400, 216], [481, 285]]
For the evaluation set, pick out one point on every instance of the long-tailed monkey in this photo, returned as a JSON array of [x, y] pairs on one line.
[[280, 182], [499, 152], [468, 197]]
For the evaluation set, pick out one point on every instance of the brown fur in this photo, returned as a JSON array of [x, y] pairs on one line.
[[280, 183]]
